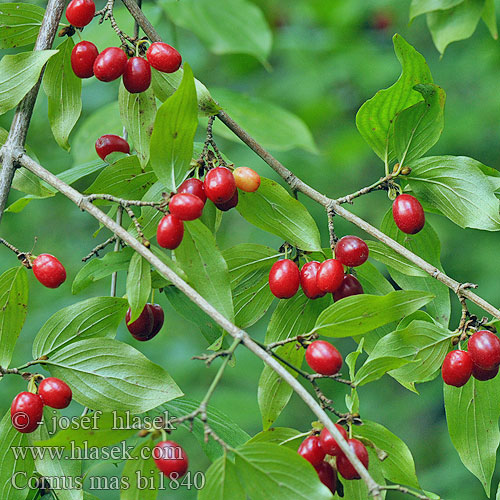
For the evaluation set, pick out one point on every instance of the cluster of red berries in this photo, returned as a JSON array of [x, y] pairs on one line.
[[220, 186], [171, 459], [26, 411], [317, 279], [113, 62], [48, 270], [408, 214], [148, 324], [481, 360]]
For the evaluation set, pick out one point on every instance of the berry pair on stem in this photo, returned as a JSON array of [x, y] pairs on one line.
[[148, 324]]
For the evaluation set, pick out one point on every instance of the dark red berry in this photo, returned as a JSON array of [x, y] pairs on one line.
[[110, 143], [83, 57], [171, 459], [457, 368], [408, 214], [159, 318], [345, 468], [484, 349], [351, 251], [350, 286], [308, 275], [480, 374], [329, 443], [79, 13], [142, 327], [220, 185], [26, 412], [246, 179], [55, 393], [163, 57], [330, 275], [186, 206], [49, 271], [284, 279], [110, 64], [327, 476], [137, 75], [193, 186], [311, 450], [323, 357], [227, 205], [170, 232]]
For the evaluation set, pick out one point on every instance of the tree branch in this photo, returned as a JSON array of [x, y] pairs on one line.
[[14, 145]]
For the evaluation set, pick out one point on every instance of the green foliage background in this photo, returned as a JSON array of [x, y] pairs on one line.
[[327, 59]]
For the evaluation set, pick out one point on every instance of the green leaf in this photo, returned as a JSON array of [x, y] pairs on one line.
[[457, 23], [359, 314], [11, 440], [205, 267], [220, 423], [19, 24], [173, 133], [375, 368], [110, 375], [124, 179], [249, 267], [13, 310], [97, 269], [372, 280], [138, 285], [352, 358], [489, 17], [91, 318], [28, 183], [399, 466], [150, 217], [457, 187], [391, 258], [245, 28], [472, 413], [272, 472], [425, 244], [375, 118], [272, 126], [137, 112], [419, 7], [139, 471], [283, 436], [418, 128], [64, 93], [18, 74], [291, 317], [272, 209], [222, 482]]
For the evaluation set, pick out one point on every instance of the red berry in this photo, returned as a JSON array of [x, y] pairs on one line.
[[308, 275], [345, 468], [163, 57], [330, 275], [170, 232], [350, 286], [110, 64], [26, 412], [110, 143], [246, 179], [351, 251], [457, 368], [329, 443], [158, 318], [49, 271], [220, 185], [327, 476], [227, 205], [311, 450], [170, 458], [55, 393], [137, 75], [83, 57], [193, 186], [480, 374], [323, 357], [79, 13], [408, 214], [484, 349], [186, 206], [284, 279], [142, 327]]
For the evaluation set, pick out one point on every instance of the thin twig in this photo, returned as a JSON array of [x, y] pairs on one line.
[[403, 489], [114, 276], [382, 183], [95, 251], [331, 229]]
